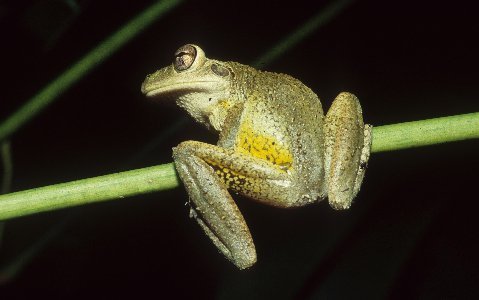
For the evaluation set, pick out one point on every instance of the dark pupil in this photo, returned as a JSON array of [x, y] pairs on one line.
[[219, 70], [183, 61], [180, 61], [184, 57]]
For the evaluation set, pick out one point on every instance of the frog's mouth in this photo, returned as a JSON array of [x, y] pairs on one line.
[[179, 88]]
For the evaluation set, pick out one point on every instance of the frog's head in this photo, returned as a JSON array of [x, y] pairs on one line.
[[204, 87]]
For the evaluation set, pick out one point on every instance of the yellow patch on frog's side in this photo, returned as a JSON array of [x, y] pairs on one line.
[[265, 147]]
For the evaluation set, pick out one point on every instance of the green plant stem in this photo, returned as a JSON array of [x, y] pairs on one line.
[[84, 65], [163, 177], [425, 132], [96, 189], [7, 175]]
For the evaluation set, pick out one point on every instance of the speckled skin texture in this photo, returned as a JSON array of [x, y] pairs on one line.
[[275, 144]]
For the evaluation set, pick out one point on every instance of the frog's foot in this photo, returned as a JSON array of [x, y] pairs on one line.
[[347, 144]]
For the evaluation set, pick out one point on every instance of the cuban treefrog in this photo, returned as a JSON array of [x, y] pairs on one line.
[[275, 144]]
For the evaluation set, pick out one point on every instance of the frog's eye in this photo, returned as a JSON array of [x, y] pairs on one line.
[[220, 70], [184, 57]]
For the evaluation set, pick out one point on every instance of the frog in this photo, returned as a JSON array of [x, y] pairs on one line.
[[275, 144]]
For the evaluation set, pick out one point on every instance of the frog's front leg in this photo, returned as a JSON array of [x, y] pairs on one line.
[[207, 171], [347, 148]]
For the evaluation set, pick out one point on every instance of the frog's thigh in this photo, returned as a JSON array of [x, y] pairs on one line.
[[213, 208], [256, 178], [347, 143]]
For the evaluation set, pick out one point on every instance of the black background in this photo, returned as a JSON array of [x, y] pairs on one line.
[[411, 233]]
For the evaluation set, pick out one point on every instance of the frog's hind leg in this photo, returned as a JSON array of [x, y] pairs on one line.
[[213, 208], [347, 147], [207, 171]]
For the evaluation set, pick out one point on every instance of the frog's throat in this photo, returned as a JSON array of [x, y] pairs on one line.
[[181, 87]]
